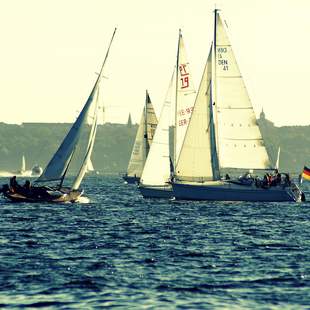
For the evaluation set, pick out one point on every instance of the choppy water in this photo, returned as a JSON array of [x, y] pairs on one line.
[[119, 250]]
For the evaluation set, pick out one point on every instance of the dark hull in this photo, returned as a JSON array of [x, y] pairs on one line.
[[156, 191], [43, 195], [233, 192], [131, 180]]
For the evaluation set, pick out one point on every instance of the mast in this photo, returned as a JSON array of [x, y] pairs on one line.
[[213, 104], [147, 147], [176, 103]]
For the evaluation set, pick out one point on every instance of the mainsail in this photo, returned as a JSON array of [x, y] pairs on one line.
[[185, 96], [58, 165], [240, 142], [157, 166], [143, 140]]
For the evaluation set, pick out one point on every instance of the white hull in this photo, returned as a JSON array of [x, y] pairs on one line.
[[148, 191], [226, 191]]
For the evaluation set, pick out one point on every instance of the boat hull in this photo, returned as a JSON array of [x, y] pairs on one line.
[[131, 180], [54, 196], [156, 191], [233, 192]]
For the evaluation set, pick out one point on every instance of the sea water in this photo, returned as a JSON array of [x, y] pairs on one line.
[[116, 249]]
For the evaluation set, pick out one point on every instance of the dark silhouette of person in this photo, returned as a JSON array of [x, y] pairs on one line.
[[13, 183], [27, 185]]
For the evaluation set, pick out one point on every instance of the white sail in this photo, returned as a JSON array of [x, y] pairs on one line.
[[195, 160], [90, 166], [23, 167], [90, 146], [151, 121], [58, 165], [137, 158], [278, 159], [185, 97], [143, 140], [157, 166], [239, 139]]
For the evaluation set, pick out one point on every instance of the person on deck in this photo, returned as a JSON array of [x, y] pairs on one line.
[[27, 186], [13, 183]]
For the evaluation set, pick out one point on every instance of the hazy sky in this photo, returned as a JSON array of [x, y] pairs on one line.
[[51, 49]]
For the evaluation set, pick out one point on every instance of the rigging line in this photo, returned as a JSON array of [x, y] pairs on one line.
[[245, 108], [235, 139]]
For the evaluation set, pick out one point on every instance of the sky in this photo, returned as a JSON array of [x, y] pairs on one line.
[[52, 49]]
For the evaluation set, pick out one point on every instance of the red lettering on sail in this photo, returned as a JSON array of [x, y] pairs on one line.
[[185, 82], [183, 71]]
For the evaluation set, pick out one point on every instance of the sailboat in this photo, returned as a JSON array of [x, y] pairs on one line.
[[143, 142], [155, 179], [57, 168], [223, 137], [90, 170]]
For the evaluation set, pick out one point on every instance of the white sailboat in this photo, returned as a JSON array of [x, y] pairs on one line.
[[143, 142], [277, 165], [155, 180], [23, 172], [223, 136], [57, 168]]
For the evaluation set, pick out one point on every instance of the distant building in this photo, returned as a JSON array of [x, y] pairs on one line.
[[129, 122], [263, 121], [262, 115]]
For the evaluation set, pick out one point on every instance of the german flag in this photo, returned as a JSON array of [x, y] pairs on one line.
[[306, 173]]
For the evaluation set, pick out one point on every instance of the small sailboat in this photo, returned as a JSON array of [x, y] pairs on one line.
[[223, 137], [143, 142], [90, 170], [155, 180], [57, 168], [22, 171], [23, 167]]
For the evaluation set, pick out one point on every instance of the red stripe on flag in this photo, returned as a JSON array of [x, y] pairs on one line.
[[306, 172], [306, 176]]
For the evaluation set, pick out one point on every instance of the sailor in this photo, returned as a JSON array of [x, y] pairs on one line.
[[27, 186], [277, 177], [287, 179], [13, 183]]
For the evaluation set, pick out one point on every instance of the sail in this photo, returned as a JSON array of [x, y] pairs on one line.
[[23, 167], [143, 140], [90, 166], [157, 166], [151, 121], [278, 159], [58, 165], [240, 142], [90, 145], [195, 159], [185, 97]]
